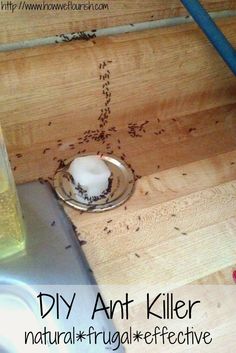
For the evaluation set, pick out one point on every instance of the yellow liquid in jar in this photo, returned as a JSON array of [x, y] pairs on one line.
[[12, 230]]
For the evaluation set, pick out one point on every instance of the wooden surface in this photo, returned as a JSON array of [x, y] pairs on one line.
[[179, 226], [182, 231], [170, 77], [22, 24]]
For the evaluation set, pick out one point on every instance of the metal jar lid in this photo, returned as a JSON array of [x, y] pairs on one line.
[[121, 186]]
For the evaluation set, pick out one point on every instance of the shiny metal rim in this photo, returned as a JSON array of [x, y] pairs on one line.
[[122, 185]]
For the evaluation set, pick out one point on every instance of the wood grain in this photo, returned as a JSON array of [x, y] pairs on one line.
[[23, 25], [224, 276], [54, 93], [181, 232], [179, 226]]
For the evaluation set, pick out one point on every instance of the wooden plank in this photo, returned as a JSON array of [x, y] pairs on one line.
[[25, 24], [173, 262], [55, 93], [224, 276], [162, 187], [186, 226], [217, 301]]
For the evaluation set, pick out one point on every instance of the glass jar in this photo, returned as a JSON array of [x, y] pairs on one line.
[[12, 229]]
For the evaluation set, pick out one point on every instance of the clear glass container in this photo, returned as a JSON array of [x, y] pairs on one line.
[[12, 229]]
